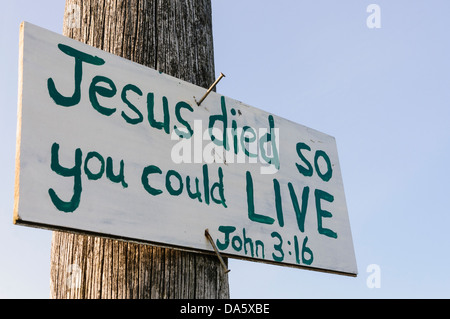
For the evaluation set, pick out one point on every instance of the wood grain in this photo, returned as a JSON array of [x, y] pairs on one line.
[[174, 37]]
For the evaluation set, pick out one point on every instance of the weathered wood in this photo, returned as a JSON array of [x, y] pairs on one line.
[[175, 37]]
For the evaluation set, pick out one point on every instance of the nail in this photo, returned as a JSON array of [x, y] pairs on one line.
[[211, 88], [208, 236]]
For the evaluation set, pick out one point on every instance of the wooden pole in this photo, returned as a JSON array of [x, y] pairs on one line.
[[175, 37]]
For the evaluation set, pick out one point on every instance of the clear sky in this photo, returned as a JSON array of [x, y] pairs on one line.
[[383, 93]]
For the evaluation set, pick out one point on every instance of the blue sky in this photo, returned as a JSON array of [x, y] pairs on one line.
[[383, 93]]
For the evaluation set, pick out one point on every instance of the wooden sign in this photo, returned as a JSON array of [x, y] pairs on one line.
[[109, 147]]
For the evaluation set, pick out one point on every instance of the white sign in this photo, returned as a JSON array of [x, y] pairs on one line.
[[109, 147]]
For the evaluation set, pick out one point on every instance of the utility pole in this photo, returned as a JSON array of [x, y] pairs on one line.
[[174, 37]]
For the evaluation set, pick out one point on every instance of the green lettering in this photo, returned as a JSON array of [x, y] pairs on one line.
[[151, 113], [170, 189], [304, 171], [327, 176], [307, 250], [278, 205], [319, 194], [206, 183], [223, 118], [234, 133], [147, 171], [246, 139], [278, 247], [227, 230], [251, 205], [75, 172], [270, 137], [219, 186], [238, 246], [299, 213], [135, 89], [95, 89], [197, 193], [80, 57], [120, 178], [180, 119], [296, 250], [259, 243], [248, 241], [89, 174]]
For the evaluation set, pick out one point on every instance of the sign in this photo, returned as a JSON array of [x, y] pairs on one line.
[[109, 147]]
